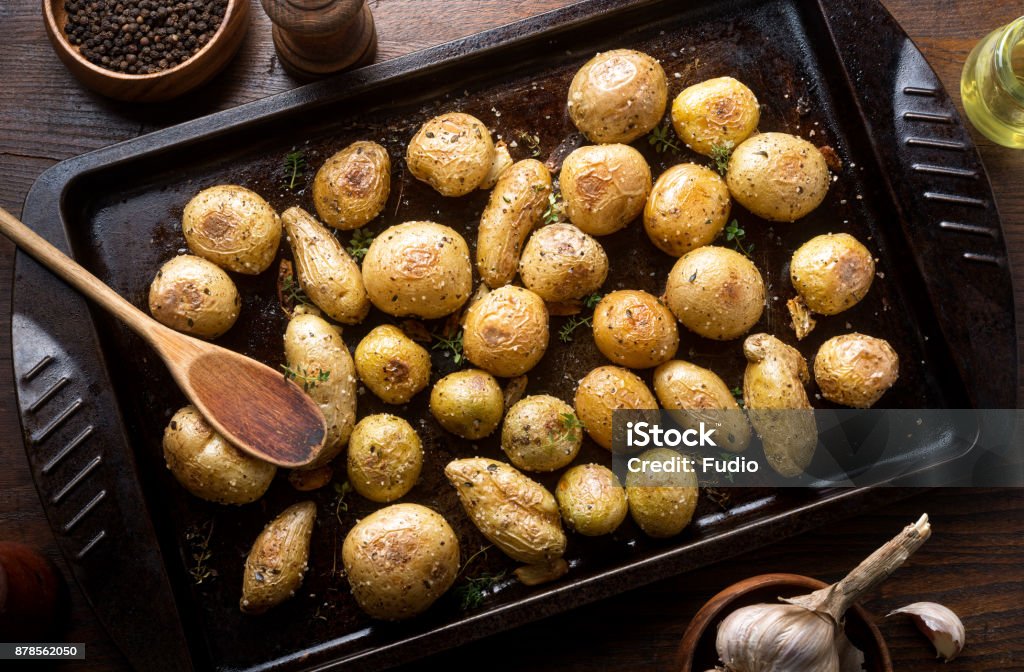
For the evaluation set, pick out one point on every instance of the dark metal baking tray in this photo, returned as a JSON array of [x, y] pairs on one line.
[[94, 400]]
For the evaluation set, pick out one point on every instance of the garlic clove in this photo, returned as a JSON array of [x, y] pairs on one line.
[[940, 625], [851, 659]]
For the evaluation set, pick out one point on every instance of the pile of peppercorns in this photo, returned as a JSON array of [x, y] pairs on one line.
[[139, 37]]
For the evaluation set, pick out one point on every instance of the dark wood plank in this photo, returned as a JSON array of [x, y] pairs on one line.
[[975, 562]]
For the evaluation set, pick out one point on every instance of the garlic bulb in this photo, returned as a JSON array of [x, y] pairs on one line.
[[777, 637], [806, 633], [940, 625]]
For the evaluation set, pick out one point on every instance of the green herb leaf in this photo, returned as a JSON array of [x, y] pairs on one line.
[[532, 142], [359, 244], [554, 212], [720, 155], [473, 593], [453, 345], [294, 165], [736, 235], [307, 379], [592, 300], [662, 138]]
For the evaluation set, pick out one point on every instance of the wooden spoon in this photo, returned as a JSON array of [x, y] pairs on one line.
[[248, 403]]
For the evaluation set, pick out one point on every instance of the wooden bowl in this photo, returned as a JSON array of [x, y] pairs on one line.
[[163, 85], [697, 651]]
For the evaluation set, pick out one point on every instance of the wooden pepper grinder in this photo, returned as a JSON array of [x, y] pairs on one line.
[[315, 38]]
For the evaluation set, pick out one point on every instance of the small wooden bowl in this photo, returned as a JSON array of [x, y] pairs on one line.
[[697, 651], [163, 85]]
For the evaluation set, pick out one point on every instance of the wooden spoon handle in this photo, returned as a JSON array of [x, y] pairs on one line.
[[74, 274]]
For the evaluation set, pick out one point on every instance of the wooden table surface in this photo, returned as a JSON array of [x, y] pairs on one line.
[[974, 563]]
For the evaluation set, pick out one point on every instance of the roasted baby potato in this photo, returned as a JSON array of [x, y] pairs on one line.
[[385, 457], [319, 362], [452, 153], [855, 370], [607, 389], [420, 269], [278, 559], [561, 263], [541, 433], [778, 176], [604, 187], [326, 273], [633, 329], [208, 466], [591, 499], [661, 503], [682, 386], [516, 514], [399, 560], [352, 186], [392, 365], [832, 272], [720, 112], [618, 96], [715, 292], [775, 399], [232, 227], [688, 207], [506, 332], [193, 295], [515, 207], [468, 403]]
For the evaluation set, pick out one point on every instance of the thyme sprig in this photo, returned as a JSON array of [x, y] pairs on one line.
[[662, 138], [294, 166], [308, 379], [736, 235], [553, 214], [359, 244], [198, 540], [720, 155], [452, 345], [565, 334]]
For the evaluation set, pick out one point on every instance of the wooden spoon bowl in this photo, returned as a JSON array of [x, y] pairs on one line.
[[697, 651], [158, 86]]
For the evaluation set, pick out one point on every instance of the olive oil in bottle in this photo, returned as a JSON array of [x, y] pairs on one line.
[[992, 85]]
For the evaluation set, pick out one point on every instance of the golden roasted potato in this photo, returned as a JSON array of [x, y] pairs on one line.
[[662, 503], [399, 560], [591, 499], [208, 466], [516, 514], [193, 295], [232, 227], [468, 403], [633, 329], [720, 112], [607, 389], [855, 370], [715, 292], [688, 207], [420, 269], [319, 362], [352, 186], [515, 208], [385, 457], [618, 96], [775, 399], [326, 273], [541, 433], [392, 365], [604, 187], [832, 272], [278, 559], [705, 398], [561, 263], [506, 332], [452, 153], [778, 176]]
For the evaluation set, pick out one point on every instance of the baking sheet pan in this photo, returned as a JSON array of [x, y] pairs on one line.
[[840, 74]]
